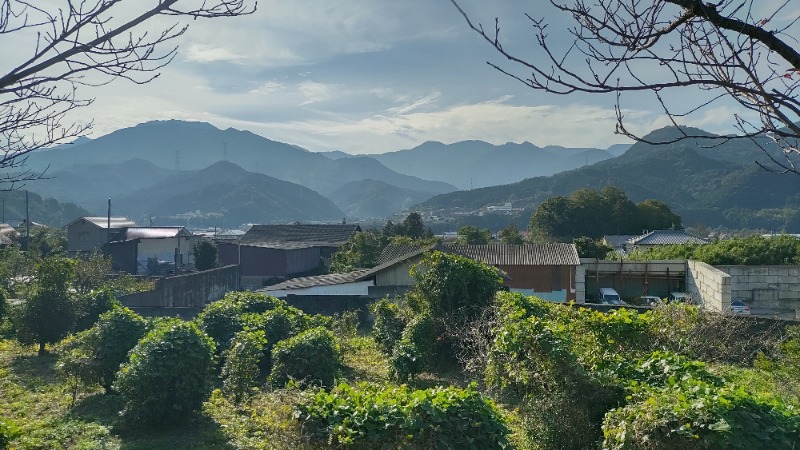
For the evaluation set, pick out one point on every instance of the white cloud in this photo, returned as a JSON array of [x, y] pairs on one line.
[[204, 53]]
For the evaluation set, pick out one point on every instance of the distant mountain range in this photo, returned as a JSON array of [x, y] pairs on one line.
[[194, 173], [41, 210], [710, 182], [475, 164]]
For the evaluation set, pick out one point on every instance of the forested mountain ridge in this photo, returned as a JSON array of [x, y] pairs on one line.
[[711, 182]]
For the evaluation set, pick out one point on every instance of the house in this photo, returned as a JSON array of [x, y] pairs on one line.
[[267, 253], [547, 271], [7, 234], [153, 250], [663, 237], [88, 235], [618, 242]]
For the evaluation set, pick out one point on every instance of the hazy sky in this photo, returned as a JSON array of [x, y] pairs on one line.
[[365, 76]]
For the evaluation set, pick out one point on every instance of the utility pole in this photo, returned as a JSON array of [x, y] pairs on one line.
[[108, 230], [27, 224]]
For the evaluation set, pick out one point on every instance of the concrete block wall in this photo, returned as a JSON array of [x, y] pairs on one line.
[[709, 286], [193, 290], [768, 290]]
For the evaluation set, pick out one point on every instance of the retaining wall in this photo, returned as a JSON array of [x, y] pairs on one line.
[[192, 290], [709, 286], [768, 290]]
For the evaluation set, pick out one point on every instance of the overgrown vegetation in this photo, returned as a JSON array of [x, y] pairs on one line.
[[751, 250], [482, 369]]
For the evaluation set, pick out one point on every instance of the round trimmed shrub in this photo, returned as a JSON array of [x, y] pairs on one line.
[[312, 357], [168, 374], [241, 370], [223, 318], [89, 307]]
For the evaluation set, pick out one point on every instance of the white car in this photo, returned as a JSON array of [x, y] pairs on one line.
[[739, 308]]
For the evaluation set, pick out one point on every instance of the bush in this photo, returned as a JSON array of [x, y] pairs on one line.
[[692, 414], [241, 369], [223, 318], [311, 357], [3, 304], [168, 374], [415, 351], [369, 416], [389, 325], [8, 431], [88, 307]]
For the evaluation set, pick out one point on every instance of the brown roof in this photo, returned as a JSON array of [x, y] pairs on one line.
[[307, 235], [553, 254]]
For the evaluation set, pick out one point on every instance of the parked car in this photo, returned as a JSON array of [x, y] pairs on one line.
[[609, 296], [650, 300], [739, 308], [679, 297]]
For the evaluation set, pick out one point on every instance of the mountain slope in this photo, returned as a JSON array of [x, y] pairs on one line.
[[705, 184], [194, 145], [41, 209], [224, 194], [375, 199], [470, 164]]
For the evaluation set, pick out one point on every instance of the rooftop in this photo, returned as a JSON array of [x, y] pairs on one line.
[[667, 237], [103, 222], [299, 236], [153, 233], [319, 280]]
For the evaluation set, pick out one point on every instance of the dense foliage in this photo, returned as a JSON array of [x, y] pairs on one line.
[[95, 355], [312, 358], [416, 351], [597, 213], [241, 370], [368, 416], [168, 374], [89, 306], [48, 316], [388, 326], [472, 235], [205, 255], [223, 318], [751, 250]]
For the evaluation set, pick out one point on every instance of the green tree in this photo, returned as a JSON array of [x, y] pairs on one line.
[[91, 273], [312, 357], [413, 226], [359, 252], [553, 219], [473, 235], [241, 369], [656, 215], [591, 248], [168, 374], [89, 307], [49, 314], [511, 235], [205, 255]]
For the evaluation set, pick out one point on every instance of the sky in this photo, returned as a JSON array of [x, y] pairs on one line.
[[364, 76]]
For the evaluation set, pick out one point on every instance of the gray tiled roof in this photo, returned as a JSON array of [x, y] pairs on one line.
[[553, 254], [278, 236], [618, 241], [319, 280], [667, 237], [392, 252]]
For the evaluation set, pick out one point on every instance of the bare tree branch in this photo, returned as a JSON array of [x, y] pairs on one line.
[[81, 43], [634, 46]]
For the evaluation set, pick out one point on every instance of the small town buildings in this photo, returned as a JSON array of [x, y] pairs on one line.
[[272, 253], [153, 250], [87, 235], [545, 270]]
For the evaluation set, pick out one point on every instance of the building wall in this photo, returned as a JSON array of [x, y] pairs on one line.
[[85, 237], [542, 281], [302, 260], [193, 290], [709, 287], [397, 275], [768, 290], [123, 256]]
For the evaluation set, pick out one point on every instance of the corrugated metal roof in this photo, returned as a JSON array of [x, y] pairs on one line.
[[553, 254], [5, 240], [319, 280], [314, 234], [392, 252], [102, 222], [153, 233], [667, 237]]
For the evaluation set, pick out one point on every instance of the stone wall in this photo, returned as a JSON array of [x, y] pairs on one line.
[[708, 286], [192, 290], [767, 290]]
